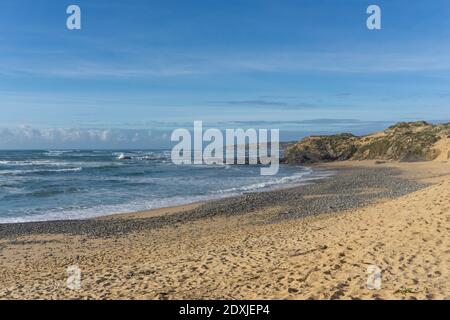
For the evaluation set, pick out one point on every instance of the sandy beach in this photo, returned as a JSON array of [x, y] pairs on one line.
[[309, 242]]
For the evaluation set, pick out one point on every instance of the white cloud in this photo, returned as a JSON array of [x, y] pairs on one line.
[[30, 137]]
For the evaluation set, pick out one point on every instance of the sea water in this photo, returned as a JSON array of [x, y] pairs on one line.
[[75, 184]]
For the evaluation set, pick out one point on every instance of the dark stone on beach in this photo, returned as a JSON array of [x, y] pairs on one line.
[[349, 188]]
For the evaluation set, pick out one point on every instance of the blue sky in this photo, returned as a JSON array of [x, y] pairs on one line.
[[139, 68]]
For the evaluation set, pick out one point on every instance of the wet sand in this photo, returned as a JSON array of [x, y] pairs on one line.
[[308, 242]]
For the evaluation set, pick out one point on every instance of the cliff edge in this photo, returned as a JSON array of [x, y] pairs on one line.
[[404, 141]]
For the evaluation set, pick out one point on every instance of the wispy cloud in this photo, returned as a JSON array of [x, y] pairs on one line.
[[341, 94], [257, 103], [266, 103], [172, 64]]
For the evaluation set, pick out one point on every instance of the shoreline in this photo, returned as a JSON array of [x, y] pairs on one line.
[[314, 242], [318, 174], [238, 204], [333, 167]]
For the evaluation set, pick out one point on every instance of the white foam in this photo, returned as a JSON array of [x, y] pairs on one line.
[[24, 172], [142, 205], [104, 210], [299, 177], [56, 153]]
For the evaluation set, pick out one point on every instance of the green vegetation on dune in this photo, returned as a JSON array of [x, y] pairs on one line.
[[405, 141]]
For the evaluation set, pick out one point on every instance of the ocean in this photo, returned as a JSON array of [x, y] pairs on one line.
[[75, 184]]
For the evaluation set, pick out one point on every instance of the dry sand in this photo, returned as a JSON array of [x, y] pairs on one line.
[[244, 257]]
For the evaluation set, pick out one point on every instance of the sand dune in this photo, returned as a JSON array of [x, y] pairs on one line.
[[443, 147]]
